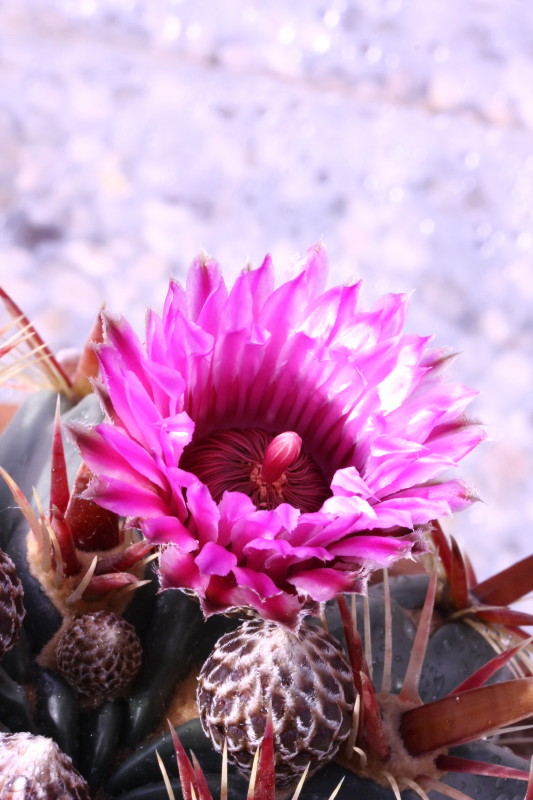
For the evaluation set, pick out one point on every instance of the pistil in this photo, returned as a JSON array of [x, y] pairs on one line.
[[280, 454]]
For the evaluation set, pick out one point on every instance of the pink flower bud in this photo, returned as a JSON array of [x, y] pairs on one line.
[[280, 454]]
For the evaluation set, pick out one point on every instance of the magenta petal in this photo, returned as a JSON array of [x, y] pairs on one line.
[[283, 608], [323, 583], [134, 455], [287, 304], [119, 497], [124, 340], [234, 506], [382, 550], [175, 300], [179, 570], [328, 382], [331, 311], [163, 530], [203, 279], [456, 440], [239, 309], [261, 282], [99, 457], [347, 482], [215, 560], [204, 511], [284, 549], [212, 315], [258, 582], [287, 516], [221, 595], [399, 514], [135, 408], [175, 433], [349, 508], [279, 558]]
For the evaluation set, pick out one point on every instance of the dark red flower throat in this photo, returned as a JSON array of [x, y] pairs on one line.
[[270, 468]]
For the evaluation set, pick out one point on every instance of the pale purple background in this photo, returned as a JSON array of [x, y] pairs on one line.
[[401, 133]]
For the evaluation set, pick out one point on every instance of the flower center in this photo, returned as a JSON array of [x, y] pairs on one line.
[[269, 468]]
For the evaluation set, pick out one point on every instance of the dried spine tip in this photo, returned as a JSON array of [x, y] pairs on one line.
[[11, 604], [99, 654], [34, 768], [305, 678]]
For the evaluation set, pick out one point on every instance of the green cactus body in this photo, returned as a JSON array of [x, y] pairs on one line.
[[34, 696], [136, 778], [114, 744]]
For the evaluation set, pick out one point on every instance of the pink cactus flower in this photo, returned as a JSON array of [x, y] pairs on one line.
[[278, 443]]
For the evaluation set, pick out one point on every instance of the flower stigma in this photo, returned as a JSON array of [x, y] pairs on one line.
[[270, 468]]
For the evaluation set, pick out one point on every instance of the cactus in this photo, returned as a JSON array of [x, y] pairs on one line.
[[432, 664], [80, 567], [422, 667]]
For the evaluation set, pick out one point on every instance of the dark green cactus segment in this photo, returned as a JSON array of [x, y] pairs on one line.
[[403, 634], [15, 710], [176, 638], [321, 786], [142, 768], [139, 610], [174, 627], [42, 618], [453, 653], [58, 712], [154, 791], [157, 791], [483, 787], [24, 452], [100, 736], [409, 591], [455, 650], [18, 662]]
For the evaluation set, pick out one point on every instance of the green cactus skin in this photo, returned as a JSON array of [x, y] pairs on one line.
[[173, 632]]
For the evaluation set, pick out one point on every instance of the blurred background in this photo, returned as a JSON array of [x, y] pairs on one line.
[[133, 134]]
